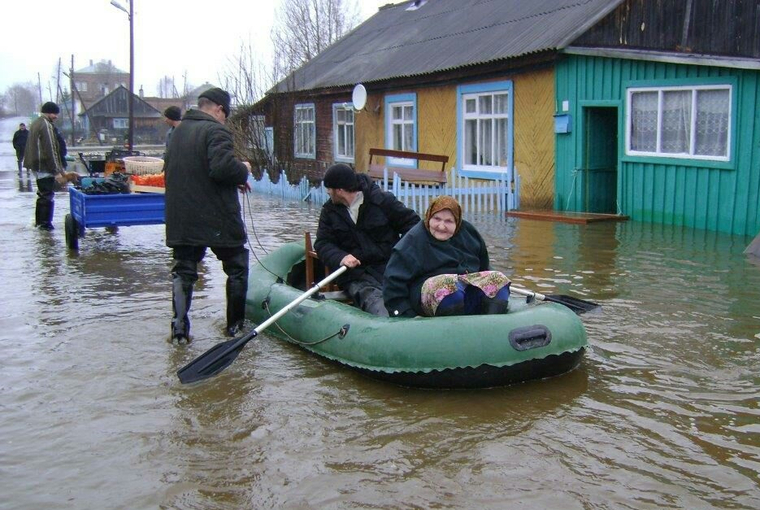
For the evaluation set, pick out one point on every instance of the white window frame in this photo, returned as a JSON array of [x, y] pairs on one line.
[[305, 132], [347, 129], [120, 123], [401, 101], [692, 128], [498, 166]]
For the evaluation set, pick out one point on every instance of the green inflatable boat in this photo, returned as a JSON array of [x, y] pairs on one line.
[[532, 341]]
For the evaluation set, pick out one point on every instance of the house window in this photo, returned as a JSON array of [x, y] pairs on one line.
[[485, 128], [691, 122], [120, 123], [343, 131], [81, 86], [401, 126], [305, 131]]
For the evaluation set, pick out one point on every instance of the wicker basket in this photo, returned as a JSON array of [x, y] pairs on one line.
[[142, 165]]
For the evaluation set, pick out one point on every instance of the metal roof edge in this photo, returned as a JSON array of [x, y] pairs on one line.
[[667, 57]]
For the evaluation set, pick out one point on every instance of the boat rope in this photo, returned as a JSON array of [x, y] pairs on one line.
[[249, 210], [342, 332]]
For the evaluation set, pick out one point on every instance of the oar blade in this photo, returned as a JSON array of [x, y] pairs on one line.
[[579, 306], [211, 362]]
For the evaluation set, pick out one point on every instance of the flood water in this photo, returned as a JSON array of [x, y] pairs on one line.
[[662, 413]]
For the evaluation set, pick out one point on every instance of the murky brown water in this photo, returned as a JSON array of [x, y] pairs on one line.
[[663, 412]]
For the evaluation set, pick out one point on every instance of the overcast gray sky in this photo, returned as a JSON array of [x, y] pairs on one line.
[[172, 37]]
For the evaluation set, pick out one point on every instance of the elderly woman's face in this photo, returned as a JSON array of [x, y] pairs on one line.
[[442, 225]]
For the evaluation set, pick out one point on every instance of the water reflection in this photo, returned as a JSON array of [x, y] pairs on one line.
[[25, 182]]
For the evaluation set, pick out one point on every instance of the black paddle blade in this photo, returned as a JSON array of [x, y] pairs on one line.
[[212, 361], [579, 306]]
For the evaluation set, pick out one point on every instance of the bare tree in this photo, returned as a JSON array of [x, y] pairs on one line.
[[246, 78], [304, 28], [167, 88], [20, 99]]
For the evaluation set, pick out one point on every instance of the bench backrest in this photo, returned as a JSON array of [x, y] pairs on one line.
[[415, 175]]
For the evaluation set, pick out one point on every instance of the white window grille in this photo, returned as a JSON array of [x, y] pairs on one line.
[[343, 130], [485, 118], [305, 131]]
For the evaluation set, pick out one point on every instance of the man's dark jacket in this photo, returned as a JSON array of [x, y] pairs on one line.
[[382, 221], [19, 142], [202, 178]]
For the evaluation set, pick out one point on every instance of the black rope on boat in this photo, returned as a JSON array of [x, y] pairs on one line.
[[248, 238], [342, 332]]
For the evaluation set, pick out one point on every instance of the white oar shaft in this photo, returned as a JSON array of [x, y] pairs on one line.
[[261, 327], [528, 293]]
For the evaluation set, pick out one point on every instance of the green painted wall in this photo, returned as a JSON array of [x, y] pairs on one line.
[[721, 197]]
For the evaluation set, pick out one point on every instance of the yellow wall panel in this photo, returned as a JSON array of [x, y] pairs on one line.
[[534, 138]]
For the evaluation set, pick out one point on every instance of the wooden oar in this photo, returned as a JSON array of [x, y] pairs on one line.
[[579, 306], [222, 355]]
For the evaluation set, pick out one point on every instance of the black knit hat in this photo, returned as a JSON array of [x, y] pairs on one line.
[[50, 107], [220, 97], [340, 176], [173, 113]]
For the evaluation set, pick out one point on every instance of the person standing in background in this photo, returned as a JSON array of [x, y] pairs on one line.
[[19, 143], [43, 157], [172, 117]]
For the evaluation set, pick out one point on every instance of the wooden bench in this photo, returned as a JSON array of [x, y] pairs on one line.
[[413, 175], [331, 290]]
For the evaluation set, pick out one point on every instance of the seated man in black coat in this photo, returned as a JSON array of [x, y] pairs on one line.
[[358, 228]]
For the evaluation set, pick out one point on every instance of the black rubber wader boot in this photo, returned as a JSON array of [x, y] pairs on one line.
[[184, 276], [236, 269], [43, 211]]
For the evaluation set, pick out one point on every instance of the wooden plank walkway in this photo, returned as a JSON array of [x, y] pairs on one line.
[[567, 216]]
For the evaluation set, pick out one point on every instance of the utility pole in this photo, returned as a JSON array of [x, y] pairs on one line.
[[131, 76], [73, 104]]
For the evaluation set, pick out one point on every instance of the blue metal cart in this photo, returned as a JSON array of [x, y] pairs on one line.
[[92, 211]]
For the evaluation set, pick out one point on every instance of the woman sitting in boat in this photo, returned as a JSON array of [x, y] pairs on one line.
[[441, 267]]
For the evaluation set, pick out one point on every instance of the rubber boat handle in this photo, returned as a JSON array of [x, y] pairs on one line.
[[530, 337]]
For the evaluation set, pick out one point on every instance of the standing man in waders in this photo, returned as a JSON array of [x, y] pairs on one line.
[[203, 210], [43, 157]]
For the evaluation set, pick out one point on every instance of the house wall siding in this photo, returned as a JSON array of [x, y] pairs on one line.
[[677, 193], [713, 27], [368, 126], [534, 137], [437, 118]]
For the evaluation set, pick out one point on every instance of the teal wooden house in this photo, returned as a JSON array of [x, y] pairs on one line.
[[658, 115]]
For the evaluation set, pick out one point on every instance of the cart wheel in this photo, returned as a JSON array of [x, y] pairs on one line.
[[72, 232]]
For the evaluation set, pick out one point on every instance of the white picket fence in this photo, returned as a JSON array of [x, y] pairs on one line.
[[475, 195]]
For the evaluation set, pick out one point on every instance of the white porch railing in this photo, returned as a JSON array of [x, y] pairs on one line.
[[475, 195]]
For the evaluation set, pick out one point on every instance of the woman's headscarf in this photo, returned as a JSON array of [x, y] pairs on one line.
[[441, 203]]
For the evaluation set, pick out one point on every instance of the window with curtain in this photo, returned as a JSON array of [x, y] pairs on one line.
[[305, 131], [680, 122], [343, 130]]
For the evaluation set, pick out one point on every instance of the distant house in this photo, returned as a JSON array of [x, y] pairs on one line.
[[640, 107], [108, 118], [95, 81]]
